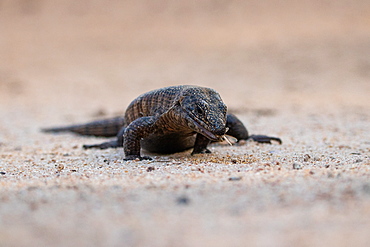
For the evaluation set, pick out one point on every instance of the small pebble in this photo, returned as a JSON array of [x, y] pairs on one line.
[[183, 200], [366, 188], [306, 157], [150, 169], [355, 153], [2, 173], [235, 178], [297, 166], [60, 167], [234, 161], [330, 175]]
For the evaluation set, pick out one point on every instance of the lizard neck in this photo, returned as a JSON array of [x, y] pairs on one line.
[[174, 121]]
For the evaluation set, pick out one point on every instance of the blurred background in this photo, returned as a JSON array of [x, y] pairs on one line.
[[297, 69], [94, 56]]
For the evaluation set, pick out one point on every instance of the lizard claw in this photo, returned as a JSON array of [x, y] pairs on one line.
[[265, 139], [203, 151], [136, 157]]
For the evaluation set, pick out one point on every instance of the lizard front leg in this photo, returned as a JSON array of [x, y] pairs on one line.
[[134, 132], [200, 146], [238, 130]]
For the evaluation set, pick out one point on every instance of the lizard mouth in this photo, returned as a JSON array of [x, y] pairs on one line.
[[207, 133]]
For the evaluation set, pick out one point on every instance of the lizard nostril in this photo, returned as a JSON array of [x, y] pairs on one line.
[[220, 131]]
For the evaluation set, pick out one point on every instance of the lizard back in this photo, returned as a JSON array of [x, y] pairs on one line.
[[154, 103]]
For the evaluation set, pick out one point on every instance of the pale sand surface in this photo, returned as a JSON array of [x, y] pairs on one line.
[[299, 70]]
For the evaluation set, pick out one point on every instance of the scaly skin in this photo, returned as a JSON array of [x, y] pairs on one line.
[[169, 120]]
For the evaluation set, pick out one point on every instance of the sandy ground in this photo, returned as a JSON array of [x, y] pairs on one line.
[[299, 70]]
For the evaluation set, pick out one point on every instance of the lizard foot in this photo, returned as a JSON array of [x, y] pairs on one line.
[[202, 151], [265, 139], [138, 157], [104, 145]]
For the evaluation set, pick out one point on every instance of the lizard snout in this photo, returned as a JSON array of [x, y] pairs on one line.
[[220, 131]]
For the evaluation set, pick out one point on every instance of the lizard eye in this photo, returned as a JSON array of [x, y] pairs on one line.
[[198, 110]]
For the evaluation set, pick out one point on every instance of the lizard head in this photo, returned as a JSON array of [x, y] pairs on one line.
[[205, 112]]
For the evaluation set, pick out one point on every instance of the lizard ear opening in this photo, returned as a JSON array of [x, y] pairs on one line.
[[179, 101]]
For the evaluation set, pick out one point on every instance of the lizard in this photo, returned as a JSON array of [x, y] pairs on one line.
[[168, 120]]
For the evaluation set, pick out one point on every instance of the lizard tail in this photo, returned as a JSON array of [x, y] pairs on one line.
[[104, 128]]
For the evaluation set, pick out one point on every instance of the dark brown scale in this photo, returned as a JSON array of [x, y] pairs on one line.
[[104, 128], [168, 120]]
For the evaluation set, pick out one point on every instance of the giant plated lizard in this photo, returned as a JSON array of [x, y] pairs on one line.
[[168, 120]]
